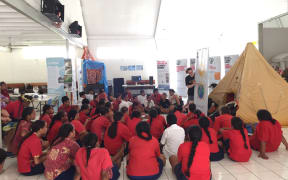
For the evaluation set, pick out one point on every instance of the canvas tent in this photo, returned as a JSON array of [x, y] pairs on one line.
[[256, 85]]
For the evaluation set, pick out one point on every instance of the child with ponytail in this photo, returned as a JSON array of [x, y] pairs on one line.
[[209, 135], [236, 141], [116, 135], [30, 158], [157, 125], [23, 128], [145, 161], [83, 114], [47, 114], [268, 134], [94, 163], [59, 162], [58, 120], [80, 130], [192, 161], [133, 121]]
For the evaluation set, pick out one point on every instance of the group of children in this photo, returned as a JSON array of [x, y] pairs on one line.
[[91, 142]]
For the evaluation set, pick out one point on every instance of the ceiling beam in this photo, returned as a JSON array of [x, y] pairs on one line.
[[27, 10]]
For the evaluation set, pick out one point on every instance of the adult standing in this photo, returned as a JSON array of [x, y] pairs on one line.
[[190, 83]]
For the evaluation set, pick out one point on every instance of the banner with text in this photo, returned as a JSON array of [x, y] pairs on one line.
[[163, 75], [201, 76], [229, 62], [181, 66], [214, 69]]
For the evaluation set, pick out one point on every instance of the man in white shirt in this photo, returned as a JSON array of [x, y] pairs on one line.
[[125, 102], [172, 137], [142, 98]]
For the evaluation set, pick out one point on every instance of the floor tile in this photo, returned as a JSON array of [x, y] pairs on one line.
[[223, 177], [267, 176], [246, 176], [236, 169], [282, 173]]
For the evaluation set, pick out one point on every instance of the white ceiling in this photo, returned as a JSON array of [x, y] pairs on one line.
[[120, 18], [17, 29]]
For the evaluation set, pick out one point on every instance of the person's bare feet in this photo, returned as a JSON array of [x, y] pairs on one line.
[[263, 156]]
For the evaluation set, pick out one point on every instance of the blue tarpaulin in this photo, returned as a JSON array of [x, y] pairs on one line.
[[98, 67]]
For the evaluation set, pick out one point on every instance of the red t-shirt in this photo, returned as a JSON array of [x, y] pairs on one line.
[[5, 93], [236, 150], [103, 95], [190, 122], [143, 157], [269, 133], [222, 121], [214, 146], [89, 124], [123, 135], [92, 113], [99, 161], [30, 148], [53, 132], [99, 127], [93, 103], [131, 124], [156, 98], [47, 119], [180, 117], [64, 108], [15, 109], [126, 118], [200, 167], [79, 128], [83, 117], [157, 126], [116, 104]]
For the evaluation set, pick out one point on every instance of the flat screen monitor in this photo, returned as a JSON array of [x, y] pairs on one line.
[[136, 78]]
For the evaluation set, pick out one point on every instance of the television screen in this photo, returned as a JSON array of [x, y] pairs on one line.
[[136, 78]]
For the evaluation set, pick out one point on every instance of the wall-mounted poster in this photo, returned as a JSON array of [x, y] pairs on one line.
[[163, 75], [229, 62], [193, 63], [139, 67], [181, 66], [214, 69], [201, 76], [131, 68]]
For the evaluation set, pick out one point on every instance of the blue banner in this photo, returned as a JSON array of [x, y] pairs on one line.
[[95, 72]]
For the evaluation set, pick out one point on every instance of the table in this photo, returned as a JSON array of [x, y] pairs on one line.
[[135, 89]]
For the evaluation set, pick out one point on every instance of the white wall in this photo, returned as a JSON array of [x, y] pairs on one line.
[[275, 42], [121, 52], [16, 69]]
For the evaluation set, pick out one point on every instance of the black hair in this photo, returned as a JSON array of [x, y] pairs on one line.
[[264, 115], [63, 133], [135, 114], [143, 127], [30, 98], [112, 130], [103, 111], [237, 124], [81, 93], [152, 114], [188, 69], [95, 96], [124, 95], [57, 117], [198, 113], [72, 114], [3, 156], [108, 105], [171, 119], [155, 90], [35, 127], [85, 101], [171, 90], [204, 124], [64, 99], [2, 83], [27, 111], [178, 108], [225, 110], [142, 91], [101, 102], [84, 107], [89, 142], [192, 107], [124, 109], [195, 135], [45, 108]]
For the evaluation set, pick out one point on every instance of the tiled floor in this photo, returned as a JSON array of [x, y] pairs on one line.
[[273, 169]]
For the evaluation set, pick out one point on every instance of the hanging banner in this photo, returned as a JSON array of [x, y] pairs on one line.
[[229, 62], [163, 75], [56, 71], [94, 75], [193, 64], [214, 69], [201, 76], [181, 66]]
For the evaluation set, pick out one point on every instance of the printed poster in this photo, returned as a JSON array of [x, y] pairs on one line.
[[229, 62], [201, 77], [193, 64], [181, 66], [163, 75], [214, 70]]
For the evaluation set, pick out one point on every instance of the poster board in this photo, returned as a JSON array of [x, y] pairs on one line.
[[229, 61], [181, 66], [163, 75], [201, 76], [214, 67]]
